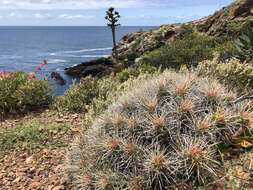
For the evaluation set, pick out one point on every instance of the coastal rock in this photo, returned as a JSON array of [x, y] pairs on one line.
[[226, 22], [244, 10], [57, 77], [96, 67], [140, 42]]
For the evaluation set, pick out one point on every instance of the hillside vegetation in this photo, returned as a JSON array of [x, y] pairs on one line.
[[177, 114], [225, 25]]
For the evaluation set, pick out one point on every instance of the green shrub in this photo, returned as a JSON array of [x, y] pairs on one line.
[[189, 50], [18, 93], [234, 26], [244, 43], [147, 68], [187, 29], [161, 133], [234, 74], [227, 50], [135, 72], [132, 56], [126, 74], [78, 96]]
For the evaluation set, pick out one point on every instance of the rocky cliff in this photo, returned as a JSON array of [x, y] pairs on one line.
[[224, 24], [227, 21]]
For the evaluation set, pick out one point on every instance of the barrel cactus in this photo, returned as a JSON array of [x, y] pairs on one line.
[[163, 133]]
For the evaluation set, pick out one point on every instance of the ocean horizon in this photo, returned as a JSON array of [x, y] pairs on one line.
[[22, 48]]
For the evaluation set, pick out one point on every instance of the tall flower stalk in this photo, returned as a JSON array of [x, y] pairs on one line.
[[32, 75], [112, 17]]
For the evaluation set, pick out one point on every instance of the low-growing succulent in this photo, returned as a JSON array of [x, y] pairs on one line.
[[164, 132]]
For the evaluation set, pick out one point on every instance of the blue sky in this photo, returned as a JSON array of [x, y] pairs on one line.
[[91, 12]]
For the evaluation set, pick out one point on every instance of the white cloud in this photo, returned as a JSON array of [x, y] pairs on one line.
[[78, 16], [142, 16], [97, 4], [68, 4], [7, 2], [42, 16], [63, 16], [167, 18], [15, 15], [12, 15], [46, 16]]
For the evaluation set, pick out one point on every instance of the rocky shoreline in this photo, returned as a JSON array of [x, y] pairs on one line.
[[98, 67]]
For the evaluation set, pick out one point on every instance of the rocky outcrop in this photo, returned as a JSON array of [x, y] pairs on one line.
[[58, 78], [224, 23], [135, 44], [243, 9], [97, 67], [227, 21]]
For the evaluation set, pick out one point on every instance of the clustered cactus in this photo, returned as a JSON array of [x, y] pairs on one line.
[[160, 135]]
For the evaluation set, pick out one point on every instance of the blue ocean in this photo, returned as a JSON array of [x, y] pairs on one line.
[[23, 48]]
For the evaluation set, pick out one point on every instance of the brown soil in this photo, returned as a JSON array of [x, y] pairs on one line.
[[41, 169]]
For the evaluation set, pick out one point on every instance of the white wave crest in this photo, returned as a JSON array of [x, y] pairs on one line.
[[88, 50], [52, 61], [63, 53], [86, 56], [11, 57]]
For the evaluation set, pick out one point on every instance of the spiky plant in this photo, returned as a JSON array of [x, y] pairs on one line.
[[162, 133]]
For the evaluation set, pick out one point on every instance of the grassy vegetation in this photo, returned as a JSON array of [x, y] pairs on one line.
[[31, 136]]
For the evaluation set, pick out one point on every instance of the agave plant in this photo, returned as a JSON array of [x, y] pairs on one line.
[[113, 17]]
